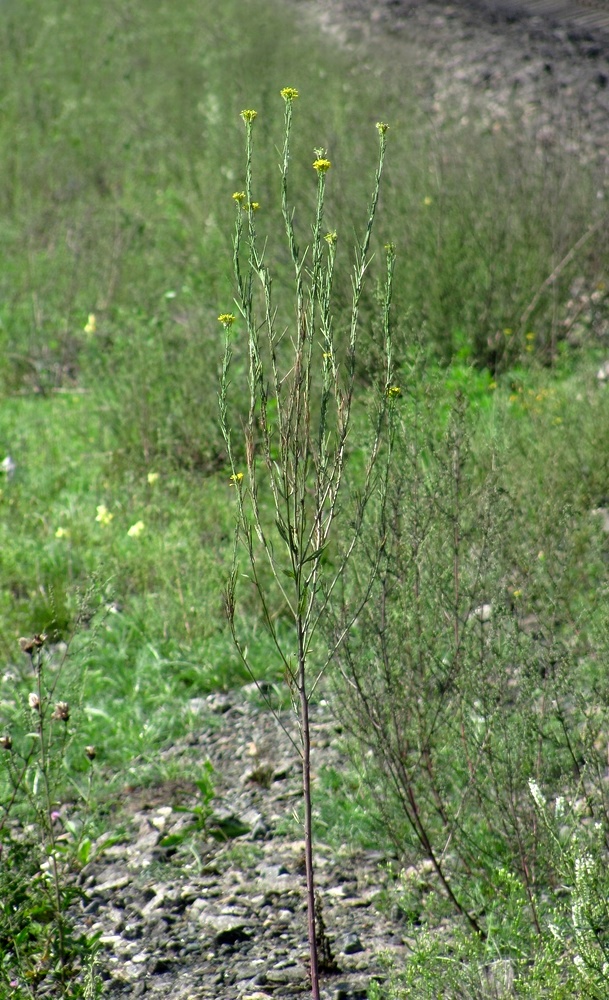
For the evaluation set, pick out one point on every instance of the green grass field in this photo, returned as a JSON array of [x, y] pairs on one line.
[[121, 147]]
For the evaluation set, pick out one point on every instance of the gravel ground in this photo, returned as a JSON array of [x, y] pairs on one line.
[[231, 923], [490, 65]]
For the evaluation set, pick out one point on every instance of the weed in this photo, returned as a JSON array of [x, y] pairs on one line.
[[301, 394], [40, 949]]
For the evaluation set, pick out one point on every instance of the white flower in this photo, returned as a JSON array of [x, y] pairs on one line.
[[536, 792]]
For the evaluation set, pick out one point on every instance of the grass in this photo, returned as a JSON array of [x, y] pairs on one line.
[[119, 159]]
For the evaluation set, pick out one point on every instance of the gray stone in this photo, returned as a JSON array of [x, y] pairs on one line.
[[350, 944]]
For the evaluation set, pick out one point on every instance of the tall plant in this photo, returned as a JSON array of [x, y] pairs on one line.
[[302, 394]]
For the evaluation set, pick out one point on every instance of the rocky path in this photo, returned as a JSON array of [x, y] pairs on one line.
[[495, 66], [227, 920]]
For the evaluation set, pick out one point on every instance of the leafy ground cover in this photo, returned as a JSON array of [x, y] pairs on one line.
[[119, 164]]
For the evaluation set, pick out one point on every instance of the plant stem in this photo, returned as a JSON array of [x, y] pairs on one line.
[[308, 812]]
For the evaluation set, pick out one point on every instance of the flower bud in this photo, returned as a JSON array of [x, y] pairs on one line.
[[91, 752], [62, 711], [6, 742], [34, 701], [29, 645]]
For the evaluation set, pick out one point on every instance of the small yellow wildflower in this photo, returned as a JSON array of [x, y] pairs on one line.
[[393, 391], [236, 478], [103, 515], [331, 238], [227, 319], [382, 128], [239, 196], [327, 355], [529, 336], [152, 478], [62, 533], [517, 593], [248, 116], [91, 325], [136, 529], [321, 165], [251, 206], [289, 94], [427, 201]]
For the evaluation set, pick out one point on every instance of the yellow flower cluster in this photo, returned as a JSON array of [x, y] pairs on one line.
[[289, 94], [248, 116], [251, 206], [227, 319], [236, 478], [239, 196], [393, 391], [321, 165], [382, 128], [103, 515], [331, 238]]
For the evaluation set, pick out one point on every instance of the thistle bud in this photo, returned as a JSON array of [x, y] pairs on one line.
[[91, 752], [34, 702], [6, 742], [62, 711], [29, 645]]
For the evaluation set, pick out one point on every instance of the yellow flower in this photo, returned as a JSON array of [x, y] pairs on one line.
[[236, 478], [382, 127], [517, 593], [248, 116], [321, 165], [62, 533], [136, 529], [239, 196], [393, 391], [427, 201], [529, 336], [331, 238], [103, 515], [252, 206], [227, 319], [91, 325], [152, 478], [289, 94]]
